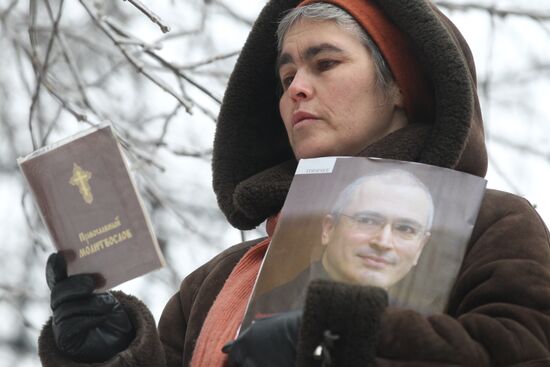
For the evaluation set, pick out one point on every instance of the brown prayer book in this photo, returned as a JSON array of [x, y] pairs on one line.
[[90, 206]]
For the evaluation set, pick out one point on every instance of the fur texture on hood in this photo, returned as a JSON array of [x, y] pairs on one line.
[[253, 163]]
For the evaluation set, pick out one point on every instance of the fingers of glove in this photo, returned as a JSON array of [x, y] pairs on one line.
[[267, 342], [120, 321], [115, 322], [94, 338], [71, 332], [71, 288], [87, 336], [238, 356], [102, 344], [292, 321], [234, 349], [284, 326], [56, 269], [85, 307]]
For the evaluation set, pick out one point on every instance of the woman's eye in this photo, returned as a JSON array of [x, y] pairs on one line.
[[323, 65], [286, 81]]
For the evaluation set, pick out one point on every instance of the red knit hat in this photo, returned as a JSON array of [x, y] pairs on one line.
[[396, 49]]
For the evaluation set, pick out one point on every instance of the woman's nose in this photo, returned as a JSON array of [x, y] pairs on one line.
[[301, 87]]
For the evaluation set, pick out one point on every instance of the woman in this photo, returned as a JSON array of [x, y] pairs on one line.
[[406, 92]]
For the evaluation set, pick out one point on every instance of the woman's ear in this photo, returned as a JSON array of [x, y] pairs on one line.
[[397, 96]]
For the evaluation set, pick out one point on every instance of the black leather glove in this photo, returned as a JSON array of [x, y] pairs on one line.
[[87, 327], [268, 342]]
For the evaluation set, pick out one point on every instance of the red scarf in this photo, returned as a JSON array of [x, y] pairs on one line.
[[227, 312]]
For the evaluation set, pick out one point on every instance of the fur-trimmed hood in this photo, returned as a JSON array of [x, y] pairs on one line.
[[253, 163]]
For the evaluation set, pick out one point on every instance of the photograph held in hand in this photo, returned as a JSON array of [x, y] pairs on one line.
[[399, 226]]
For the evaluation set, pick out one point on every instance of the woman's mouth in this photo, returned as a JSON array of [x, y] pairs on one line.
[[300, 116]]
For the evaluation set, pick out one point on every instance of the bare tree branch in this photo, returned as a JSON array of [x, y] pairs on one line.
[[487, 82], [133, 61], [520, 76], [154, 18], [491, 9], [6, 12], [167, 121], [209, 61], [522, 147], [140, 155], [66, 105], [189, 153], [48, 131], [17, 48], [166, 64], [41, 72], [232, 13]]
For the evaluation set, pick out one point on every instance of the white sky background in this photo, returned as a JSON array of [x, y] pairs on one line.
[[519, 108], [516, 109]]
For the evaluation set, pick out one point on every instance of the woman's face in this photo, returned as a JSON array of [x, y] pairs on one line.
[[331, 104]]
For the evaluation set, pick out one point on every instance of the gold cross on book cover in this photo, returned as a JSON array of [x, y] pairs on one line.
[[91, 208]]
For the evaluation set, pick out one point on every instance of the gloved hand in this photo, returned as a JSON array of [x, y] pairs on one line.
[[87, 327], [268, 342]]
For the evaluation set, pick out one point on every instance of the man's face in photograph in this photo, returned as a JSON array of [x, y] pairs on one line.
[[379, 234]]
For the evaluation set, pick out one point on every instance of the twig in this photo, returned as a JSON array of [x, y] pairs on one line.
[[164, 63], [69, 59], [96, 48], [103, 77], [207, 112], [47, 84], [209, 61], [116, 28], [191, 154], [154, 18], [51, 126], [81, 117], [487, 83], [184, 76], [233, 13], [135, 63], [17, 291], [141, 156], [4, 14], [30, 224], [167, 121], [493, 10], [174, 35], [169, 205], [66, 105], [44, 69], [525, 75], [17, 47], [9, 165], [140, 43], [524, 148], [213, 73]]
